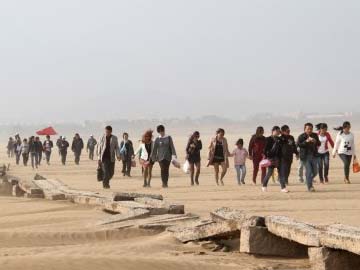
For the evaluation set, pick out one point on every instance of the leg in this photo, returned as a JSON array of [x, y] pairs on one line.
[[346, 159], [301, 171], [256, 170], [267, 177], [197, 173], [309, 172], [164, 166], [216, 169], [321, 167], [150, 175], [33, 160], [128, 168], [192, 173], [123, 167], [223, 172], [327, 166], [243, 174], [238, 174], [146, 173]]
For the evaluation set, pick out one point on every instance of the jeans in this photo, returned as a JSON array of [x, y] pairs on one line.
[[284, 171], [241, 173], [164, 167], [18, 155], [301, 170], [25, 158], [91, 153], [346, 159], [126, 169], [48, 156], [108, 168], [63, 157], [34, 160], [269, 174], [77, 157], [324, 163], [311, 167]]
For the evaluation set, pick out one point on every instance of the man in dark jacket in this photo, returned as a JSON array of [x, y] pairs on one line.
[[288, 148], [64, 145], [127, 154], [272, 152], [90, 147], [308, 143], [77, 146]]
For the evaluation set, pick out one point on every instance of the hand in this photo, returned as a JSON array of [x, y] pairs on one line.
[[334, 155], [250, 157], [99, 162]]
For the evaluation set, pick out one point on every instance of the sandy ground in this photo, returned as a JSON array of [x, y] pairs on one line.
[[41, 234]]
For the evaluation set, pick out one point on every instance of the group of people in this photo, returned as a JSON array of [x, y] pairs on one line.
[[33, 148], [271, 154]]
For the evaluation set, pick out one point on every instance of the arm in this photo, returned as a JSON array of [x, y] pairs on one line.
[[330, 140], [154, 150], [251, 145], [172, 147], [337, 145], [117, 149]]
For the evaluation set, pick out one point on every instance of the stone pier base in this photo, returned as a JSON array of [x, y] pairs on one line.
[[330, 259]]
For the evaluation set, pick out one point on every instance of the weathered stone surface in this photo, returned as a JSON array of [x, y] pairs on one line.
[[169, 221], [258, 240], [5, 188], [89, 200], [39, 177], [30, 188], [160, 204], [343, 237], [17, 191], [329, 259], [34, 196], [211, 230], [50, 191], [123, 196], [130, 215], [124, 206], [243, 219], [302, 233]]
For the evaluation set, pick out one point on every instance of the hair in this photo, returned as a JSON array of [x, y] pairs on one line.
[[125, 134], [220, 130], [109, 128], [285, 128], [25, 140], [240, 142], [48, 136], [308, 125], [275, 128], [146, 134], [195, 134], [160, 128], [346, 124], [321, 126], [259, 130]]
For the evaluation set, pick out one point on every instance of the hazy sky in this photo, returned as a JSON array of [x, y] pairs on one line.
[[77, 60]]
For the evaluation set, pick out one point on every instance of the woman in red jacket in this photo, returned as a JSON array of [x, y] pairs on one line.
[[256, 150], [323, 150]]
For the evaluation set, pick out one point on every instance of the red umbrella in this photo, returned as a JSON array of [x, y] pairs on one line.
[[47, 131]]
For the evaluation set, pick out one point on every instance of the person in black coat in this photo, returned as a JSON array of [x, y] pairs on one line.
[[127, 154], [77, 147], [193, 149], [288, 149], [308, 143]]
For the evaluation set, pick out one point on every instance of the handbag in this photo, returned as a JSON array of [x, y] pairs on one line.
[[176, 163], [356, 166], [100, 173], [186, 167], [133, 163], [265, 163]]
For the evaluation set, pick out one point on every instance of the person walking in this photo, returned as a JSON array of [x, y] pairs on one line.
[[40, 149], [77, 147], [58, 144], [18, 150], [288, 149], [144, 152], [107, 151], [10, 147], [47, 146], [193, 156], [90, 147], [323, 150], [345, 148], [256, 150], [25, 150], [309, 143], [63, 147], [240, 155], [272, 153], [127, 154], [164, 152], [219, 155], [34, 152]]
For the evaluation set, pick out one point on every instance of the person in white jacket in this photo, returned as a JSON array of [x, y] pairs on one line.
[[144, 152], [345, 148]]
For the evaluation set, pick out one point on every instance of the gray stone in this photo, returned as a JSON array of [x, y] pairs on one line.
[[258, 240], [30, 188], [49, 190], [175, 209], [343, 237], [130, 215], [210, 230], [330, 259], [123, 196], [17, 191], [39, 177], [243, 219], [288, 228]]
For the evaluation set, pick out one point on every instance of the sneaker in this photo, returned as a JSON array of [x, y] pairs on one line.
[[264, 189], [301, 180], [312, 189], [222, 182], [243, 182], [284, 190]]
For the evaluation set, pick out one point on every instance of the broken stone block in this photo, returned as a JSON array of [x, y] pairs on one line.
[[343, 237], [288, 228], [168, 221], [30, 188], [225, 213], [122, 196], [210, 230], [49, 190], [130, 215], [39, 177], [258, 240], [175, 209], [330, 259], [17, 191]]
